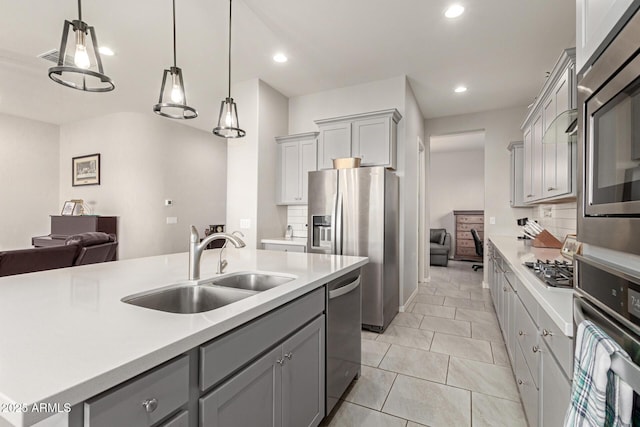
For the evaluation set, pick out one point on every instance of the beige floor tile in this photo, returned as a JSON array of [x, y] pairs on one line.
[[448, 326], [470, 286], [412, 424], [368, 335], [408, 337], [475, 315], [482, 377], [486, 331], [500, 355], [429, 299], [350, 415], [434, 310], [426, 290], [467, 348], [372, 388], [489, 411], [417, 363], [373, 352], [410, 320], [480, 294], [429, 403], [464, 303], [452, 293]]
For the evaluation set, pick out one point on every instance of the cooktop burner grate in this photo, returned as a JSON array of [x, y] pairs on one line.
[[557, 274]]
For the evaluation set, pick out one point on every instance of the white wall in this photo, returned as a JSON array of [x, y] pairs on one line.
[[501, 127], [29, 170], [145, 160], [379, 95], [252, 163], [456, 183], [559, 219]]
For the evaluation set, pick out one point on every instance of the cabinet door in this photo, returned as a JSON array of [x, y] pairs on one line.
[[527, 388], [555, 390], [308, 162], [289, 172], [250, 398], [527, 170], [372, 141], [517, 176], [536, 172], [334, 142], [557, 155], [303, 377]]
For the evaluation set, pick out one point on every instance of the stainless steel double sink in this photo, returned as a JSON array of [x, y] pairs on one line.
[[206, 295]]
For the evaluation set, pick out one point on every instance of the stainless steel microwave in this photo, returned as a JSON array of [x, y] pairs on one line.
[[609, 154]]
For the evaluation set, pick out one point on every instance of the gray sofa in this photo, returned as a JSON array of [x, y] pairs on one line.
[[439, 246]]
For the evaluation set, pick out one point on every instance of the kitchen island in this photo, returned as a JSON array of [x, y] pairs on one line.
[[68, 336]]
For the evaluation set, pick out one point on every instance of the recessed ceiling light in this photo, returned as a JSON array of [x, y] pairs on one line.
[[280, 57], [460, 89], [105, 51], [454, 11]]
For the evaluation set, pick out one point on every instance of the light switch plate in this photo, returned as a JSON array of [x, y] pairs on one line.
[[492, 220], [172, 220], [245, 223]]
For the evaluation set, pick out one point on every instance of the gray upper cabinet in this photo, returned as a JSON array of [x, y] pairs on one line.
[[370, 136], [516, 150], [549, 155], [297, 156]]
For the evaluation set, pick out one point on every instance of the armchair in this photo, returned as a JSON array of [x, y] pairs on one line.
[[439, 246]]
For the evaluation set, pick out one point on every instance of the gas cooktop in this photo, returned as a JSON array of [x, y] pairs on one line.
[[556, 274]]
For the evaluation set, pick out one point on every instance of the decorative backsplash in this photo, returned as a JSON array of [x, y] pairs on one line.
[[558, 219], [297, 219]]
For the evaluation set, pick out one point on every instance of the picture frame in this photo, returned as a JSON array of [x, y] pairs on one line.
[[67, 208], [571, 246], [85, 170]]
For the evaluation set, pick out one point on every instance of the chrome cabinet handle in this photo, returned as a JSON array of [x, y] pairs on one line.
[[530, 195], [546, 333], [288, 355], [520, 382], [150, 405], [551, 188], [535, 349], [520, 333], [280, 362]]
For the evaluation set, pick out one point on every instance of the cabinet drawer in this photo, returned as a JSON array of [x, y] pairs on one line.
[[463, 226], [465, 251], [555, 390], [530, 304], [527, 388], [560, 345], [284, 248], [168, 386], [466, 235], [466, 244], [527, 335], [226, 354], [471, 219], [180, 420]]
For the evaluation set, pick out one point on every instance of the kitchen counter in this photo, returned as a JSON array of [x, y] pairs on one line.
[[67, 336], [297, 241], [556, 302]]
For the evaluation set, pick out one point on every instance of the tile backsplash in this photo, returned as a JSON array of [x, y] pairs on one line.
[[297, 219], [559, 219]]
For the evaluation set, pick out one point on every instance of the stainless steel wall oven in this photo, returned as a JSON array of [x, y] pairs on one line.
[[609, 155]]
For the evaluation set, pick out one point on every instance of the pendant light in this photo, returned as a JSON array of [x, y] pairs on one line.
[[79, 75], [228, 126], [172, 101]]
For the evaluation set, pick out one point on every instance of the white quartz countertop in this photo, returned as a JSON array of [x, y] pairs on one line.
[[298, 241], [66, 336], [556, 302]]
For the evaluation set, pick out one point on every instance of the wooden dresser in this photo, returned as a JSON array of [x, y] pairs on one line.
[[465, 221]]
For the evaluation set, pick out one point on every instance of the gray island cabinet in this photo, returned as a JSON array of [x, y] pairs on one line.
[[267, 372]]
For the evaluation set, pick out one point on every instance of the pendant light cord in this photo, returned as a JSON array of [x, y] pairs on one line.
[[230, 1], [174, 33], [79, 10]]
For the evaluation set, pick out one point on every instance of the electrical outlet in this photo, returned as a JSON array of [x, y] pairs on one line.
[[492, 220], [245, 223], [168, 202]]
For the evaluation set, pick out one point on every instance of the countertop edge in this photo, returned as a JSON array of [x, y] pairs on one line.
[[297, 241]]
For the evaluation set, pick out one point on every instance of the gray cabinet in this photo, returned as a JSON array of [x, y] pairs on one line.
[[285, 387], [370, 136], [283, 247], [553, 405], [549, 166], [516, 151], [297, 156]]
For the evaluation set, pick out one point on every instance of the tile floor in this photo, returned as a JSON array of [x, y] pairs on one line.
[[441, 363]]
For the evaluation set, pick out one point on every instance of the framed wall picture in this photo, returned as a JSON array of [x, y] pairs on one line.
[[67, 209], [85, 170], [571, 246]]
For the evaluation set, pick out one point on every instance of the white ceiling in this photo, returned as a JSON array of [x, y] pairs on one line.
[[499, 49]]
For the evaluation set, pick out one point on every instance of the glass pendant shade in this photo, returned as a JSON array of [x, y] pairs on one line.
[[228, 126], [172, 102], [85, 71]]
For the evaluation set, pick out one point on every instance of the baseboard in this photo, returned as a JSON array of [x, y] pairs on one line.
[[402, 308], [485, 285]]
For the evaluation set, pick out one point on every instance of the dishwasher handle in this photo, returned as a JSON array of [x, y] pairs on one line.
[[344, 289]]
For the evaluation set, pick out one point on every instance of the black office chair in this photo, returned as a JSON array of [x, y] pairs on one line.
[[479, 248]]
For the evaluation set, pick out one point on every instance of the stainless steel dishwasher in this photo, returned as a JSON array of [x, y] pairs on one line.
[[344, 322]]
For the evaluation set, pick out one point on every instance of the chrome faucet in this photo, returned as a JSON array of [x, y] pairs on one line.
[[222, 263], [196, 247]]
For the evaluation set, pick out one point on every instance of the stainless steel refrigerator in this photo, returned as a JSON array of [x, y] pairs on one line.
[[355, 212]]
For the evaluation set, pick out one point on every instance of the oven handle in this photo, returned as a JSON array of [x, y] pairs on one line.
[[621, 365], [344, 289]]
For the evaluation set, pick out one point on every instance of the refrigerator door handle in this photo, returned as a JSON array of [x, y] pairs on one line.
[[339, 225], [333, 224]]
